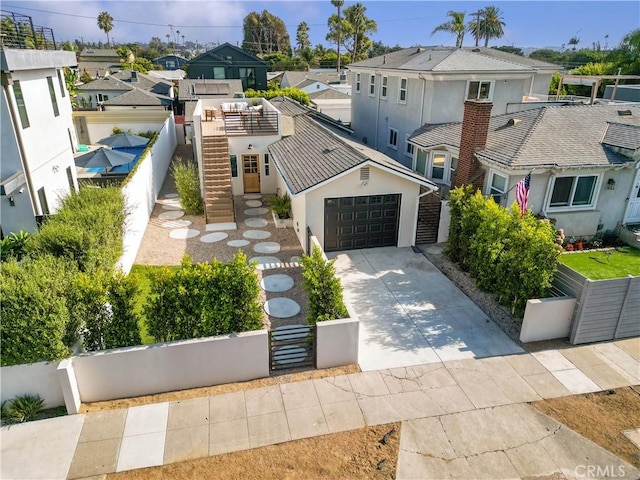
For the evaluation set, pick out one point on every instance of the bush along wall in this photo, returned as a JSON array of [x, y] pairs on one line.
[[512, 257], [323, 287]]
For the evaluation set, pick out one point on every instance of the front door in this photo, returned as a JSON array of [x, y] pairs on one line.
[[633, 208], [251, 173]]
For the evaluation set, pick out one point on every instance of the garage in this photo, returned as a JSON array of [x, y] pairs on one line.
[[361, 222]]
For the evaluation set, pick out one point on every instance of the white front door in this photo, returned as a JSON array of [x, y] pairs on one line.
[[633, 208]]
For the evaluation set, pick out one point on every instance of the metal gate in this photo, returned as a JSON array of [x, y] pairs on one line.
[[292, 346], [428, 218]]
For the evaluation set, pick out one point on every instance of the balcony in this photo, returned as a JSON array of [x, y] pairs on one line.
[[218, 119], [19, 32]]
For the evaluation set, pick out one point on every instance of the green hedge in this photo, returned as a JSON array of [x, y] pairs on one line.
[[514, 258], [323, 287], [185, 176], [204, 299], [291, 92]]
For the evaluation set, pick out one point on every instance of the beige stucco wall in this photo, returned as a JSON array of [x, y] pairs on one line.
[[547, 319], [298, 210]]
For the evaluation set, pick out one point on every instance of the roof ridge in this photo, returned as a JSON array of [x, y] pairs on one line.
[[513, 62]]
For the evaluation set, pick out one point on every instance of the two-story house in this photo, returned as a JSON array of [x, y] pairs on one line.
[[396, 93], [170, 62], [98, 62]]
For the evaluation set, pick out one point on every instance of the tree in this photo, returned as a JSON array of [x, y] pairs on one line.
[[105, 23], [510, 49], [490, 25], [574, 41], [456, 26], [627, 55], [71, 82], [302, 37], [265, 33], [338, 4], [378, 48], [358, 43]]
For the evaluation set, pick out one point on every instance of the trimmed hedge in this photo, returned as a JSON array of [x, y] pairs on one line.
[[185, 176], [291, 92]]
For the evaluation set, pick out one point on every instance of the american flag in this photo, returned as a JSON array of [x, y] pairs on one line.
[[522, 193]]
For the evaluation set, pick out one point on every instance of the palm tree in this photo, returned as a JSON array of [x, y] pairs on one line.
[[183, 40], [168, 38], [105, 23], [177, 35], [338, 4], [491, 25], [456, 26]]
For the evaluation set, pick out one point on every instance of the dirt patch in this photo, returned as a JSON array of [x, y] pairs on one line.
[[354, 454], [600, 417], [217, 389]]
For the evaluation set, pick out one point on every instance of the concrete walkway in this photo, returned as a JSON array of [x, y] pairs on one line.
[[461, 419]]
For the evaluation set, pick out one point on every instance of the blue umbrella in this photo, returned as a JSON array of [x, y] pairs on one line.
[[104, 157], [124, 140]]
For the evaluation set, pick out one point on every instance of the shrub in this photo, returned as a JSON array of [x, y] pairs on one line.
[[293, 93], [281, 205], [323, 287], [14, 245], [203, 299], [22, 408], [185, 175]]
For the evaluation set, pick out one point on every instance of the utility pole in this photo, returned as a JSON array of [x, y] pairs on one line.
[[477, 15]]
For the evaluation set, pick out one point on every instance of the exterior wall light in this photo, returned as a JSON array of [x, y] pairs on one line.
[[611, 184]]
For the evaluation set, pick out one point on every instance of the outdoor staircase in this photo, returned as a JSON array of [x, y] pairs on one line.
[[218, 199]]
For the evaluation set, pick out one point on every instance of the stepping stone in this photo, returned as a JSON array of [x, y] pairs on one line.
[[171, 207], [267, 247], [171, 215], [252, 196], [215, 227], [213, 237], [266, 262], [295, 259], [256, 222], [172, 195], [184, 233], [253, 203], [176, 224], [281, 307], [256, 234], [238, 243], [276, 283], [256, 211]]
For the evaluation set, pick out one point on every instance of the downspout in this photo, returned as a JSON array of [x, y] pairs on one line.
[[415, 218], [531, 85], [424, 87], [377, 110]]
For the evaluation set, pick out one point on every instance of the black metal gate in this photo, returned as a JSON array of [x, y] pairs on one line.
[[292, 346], [428, 218]]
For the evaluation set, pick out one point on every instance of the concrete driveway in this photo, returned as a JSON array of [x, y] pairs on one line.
[[410, 313]]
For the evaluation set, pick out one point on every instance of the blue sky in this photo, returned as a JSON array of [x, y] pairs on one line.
[[528, 24]]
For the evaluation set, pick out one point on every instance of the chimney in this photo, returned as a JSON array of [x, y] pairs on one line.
[[475, 126]]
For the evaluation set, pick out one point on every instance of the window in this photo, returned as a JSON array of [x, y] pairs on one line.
[[171, 64], [61, 82], [266, 165], [357, 83], [498, 186], [102, 98], [438, 164], [453, 168], [372, 85], [44, 206], [479, 90], [577, 191], [54, 100], [70, 179], [219, 72], [421, 162], [402, 91], [383, 87], [393, 138], [22, 108], [233, 159], [408, 149], [248, 77]]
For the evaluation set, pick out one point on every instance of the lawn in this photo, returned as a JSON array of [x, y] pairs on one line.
[[601, 265], [141, 272]]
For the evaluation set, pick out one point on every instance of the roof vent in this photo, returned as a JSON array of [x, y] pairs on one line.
[[384, 59], [134, 76], [625, 113], [513, 121], [420, 49], [364, 174], [364, 140]]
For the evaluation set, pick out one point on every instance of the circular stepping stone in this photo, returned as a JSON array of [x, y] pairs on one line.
[[214, 227], [256, 234], [266, 262], [252, 196], [256, 222], [172, 195], [253, 203], [184, 233], [174, 214], [295, 259], [213, 237], [267, 247], [176, 224], [256, 211], [238, 243], [281, 307], [171, 207], [276, 283]]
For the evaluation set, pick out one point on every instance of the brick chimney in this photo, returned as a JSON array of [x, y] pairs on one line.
[[475, 126]]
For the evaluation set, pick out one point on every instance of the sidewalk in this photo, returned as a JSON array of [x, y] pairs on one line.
[[462, 419]]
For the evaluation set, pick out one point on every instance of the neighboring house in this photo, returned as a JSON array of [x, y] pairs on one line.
[[99, 62], [316, 80], [93, 94], [229, 62], [333, 103], [346, 194], [170, 62], [170, 75], [584, 160], [396, 93], [38, 139], [624, 93]]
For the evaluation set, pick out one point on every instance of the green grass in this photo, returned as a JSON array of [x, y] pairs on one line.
[[141, 272], [602, 265]]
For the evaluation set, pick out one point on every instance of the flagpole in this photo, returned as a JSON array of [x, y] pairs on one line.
[[507, 192]]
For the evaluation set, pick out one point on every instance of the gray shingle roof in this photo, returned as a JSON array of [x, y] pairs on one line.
[[106, 83], [622, 135], [207, 88], [564, 136], [288, 107], [295, 78], [138, 97], [144, 82], [328, 94]]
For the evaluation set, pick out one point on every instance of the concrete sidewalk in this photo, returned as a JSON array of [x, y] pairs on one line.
[[462, 419]]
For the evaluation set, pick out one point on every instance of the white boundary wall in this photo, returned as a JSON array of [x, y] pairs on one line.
[[337, 342], [141, 191], [32, 378], [547, 319]]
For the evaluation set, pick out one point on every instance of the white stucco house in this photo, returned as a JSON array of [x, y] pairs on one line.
[[396, 93], [38, 137]]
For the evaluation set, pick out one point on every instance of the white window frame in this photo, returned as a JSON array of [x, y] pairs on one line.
[[357, 82], [448, 173], [384, 86], [409, 148], [405, 90], [480, 82], [372, 85], [570, 207], [393, 132], [490, 187]]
